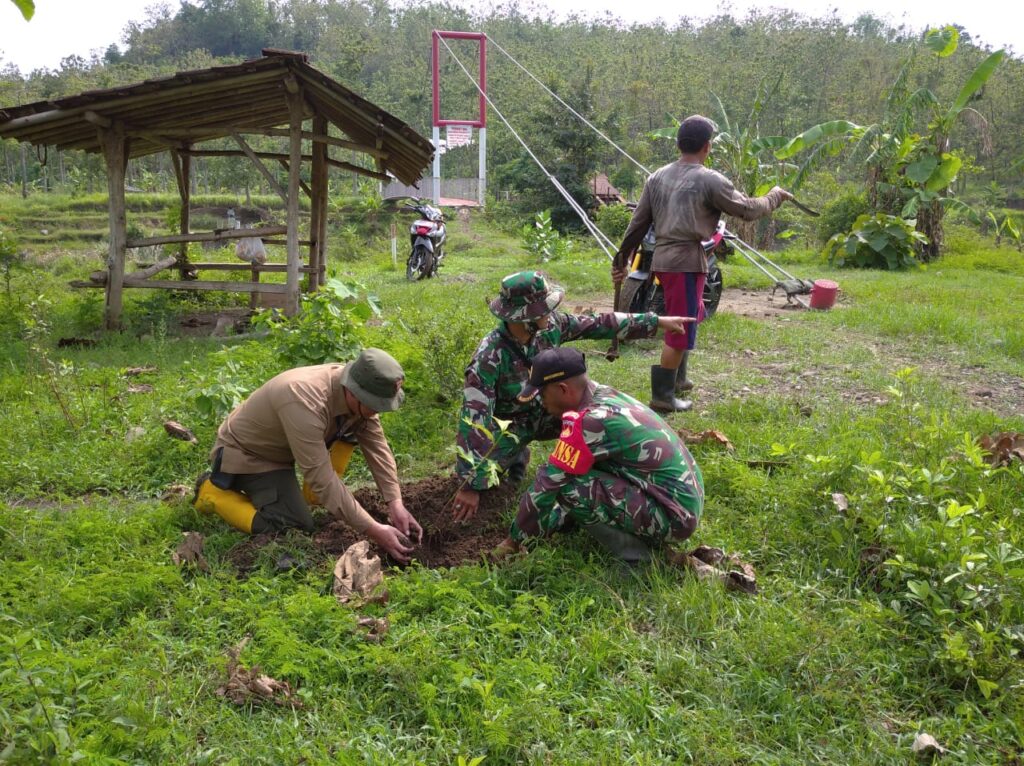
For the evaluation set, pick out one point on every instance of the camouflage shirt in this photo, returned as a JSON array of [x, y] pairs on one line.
[[614, 434], [501, 367]]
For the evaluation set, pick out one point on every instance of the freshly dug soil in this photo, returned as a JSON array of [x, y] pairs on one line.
[[446, 543]]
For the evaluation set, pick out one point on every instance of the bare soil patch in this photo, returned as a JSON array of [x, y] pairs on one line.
[[446, 543]]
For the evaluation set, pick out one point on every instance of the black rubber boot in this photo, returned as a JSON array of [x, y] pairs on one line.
[[517, 469], [663, 399], [683, 385], [620, 543]]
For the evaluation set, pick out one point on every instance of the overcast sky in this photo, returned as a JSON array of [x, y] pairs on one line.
[[64, 27]]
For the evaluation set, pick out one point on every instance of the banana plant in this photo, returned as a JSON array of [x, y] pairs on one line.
[[908, 172]]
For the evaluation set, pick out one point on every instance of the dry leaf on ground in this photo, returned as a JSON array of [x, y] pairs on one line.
[[1003, 448], [249, 686], [141, 388], [703, 561], [176, 492], [926, 744], [132, 372], [357, 573], [178, 431], [376, 628], [699, 437], [191, 552]]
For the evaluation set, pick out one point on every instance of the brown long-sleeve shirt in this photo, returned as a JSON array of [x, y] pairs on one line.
[[289, 419], [684, 202]]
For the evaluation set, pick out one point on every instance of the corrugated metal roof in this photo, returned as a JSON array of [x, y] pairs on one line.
[[212, 103]]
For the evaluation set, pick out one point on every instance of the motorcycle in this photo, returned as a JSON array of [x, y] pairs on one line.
[[642, 291], [427, 236]]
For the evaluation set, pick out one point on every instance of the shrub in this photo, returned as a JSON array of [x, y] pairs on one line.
[[541, 239], [613, 220], [876, 241], [841, 214], [325, 329]]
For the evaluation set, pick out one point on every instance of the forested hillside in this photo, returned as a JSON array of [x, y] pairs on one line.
[[628, 80]]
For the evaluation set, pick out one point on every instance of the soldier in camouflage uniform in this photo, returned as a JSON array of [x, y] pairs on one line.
[[617, 468], [500, 370]]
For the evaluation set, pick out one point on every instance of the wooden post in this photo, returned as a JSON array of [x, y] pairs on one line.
[[116, 155], [318, 204], [182, 173], [295, 109]]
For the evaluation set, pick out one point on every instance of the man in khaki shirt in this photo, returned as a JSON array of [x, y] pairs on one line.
[[684, 200], [302, 418]]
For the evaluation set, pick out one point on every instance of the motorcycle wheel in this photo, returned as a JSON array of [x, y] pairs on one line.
[[632, 296], [712, 291], [419, 265]]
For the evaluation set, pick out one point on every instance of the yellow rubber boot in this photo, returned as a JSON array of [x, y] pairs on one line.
[[341, 453], [234, 507]]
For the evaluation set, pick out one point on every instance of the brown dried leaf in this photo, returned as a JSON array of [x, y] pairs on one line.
[[178, 431], [376, 628], [249, 686], [695, 437], [1003, 448], [926, 744], [840, 501], [175, 492], [132, 372], [191, 552], [141, 388], [708, 555], [357, 573]]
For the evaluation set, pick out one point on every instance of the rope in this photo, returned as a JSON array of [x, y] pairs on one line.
[[603, 241], [579, 116]]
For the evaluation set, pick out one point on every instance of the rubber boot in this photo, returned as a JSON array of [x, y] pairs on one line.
[[620, 543], [682, 384], [234, 507], [663, 399], [341, 453], [517, 469]]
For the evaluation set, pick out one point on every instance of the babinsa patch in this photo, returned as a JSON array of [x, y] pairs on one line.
[[571, 452]]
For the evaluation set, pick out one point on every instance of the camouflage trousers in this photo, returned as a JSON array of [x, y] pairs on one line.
[[597, 497]]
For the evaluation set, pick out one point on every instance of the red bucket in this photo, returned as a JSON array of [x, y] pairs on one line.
[[823, 294]]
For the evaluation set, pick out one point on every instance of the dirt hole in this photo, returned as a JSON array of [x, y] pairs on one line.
[[446, 543]]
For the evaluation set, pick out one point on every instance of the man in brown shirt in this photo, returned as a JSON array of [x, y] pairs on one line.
[[305, 417], [684, 200]]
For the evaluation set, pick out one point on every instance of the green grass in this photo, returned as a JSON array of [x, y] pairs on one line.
[[563, 656]]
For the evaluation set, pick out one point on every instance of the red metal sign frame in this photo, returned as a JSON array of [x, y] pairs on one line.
[[481, 120]]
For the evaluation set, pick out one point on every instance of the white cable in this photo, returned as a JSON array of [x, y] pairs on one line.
[[602, 240], [577, 114]]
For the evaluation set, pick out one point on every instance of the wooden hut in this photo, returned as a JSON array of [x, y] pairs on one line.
[[279, 94]]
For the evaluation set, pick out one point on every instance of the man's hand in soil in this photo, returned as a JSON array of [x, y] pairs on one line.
[[391, 541], [466, 503], [674, 324], [404, 521], [506, 549]]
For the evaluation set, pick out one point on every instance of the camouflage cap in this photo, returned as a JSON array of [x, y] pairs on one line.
[[375, 379], [526, 295]]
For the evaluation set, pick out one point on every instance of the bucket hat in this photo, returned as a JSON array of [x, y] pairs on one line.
[[524, 296], [375, 378]]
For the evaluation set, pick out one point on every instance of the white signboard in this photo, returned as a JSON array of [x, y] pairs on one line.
[[459, 135]]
